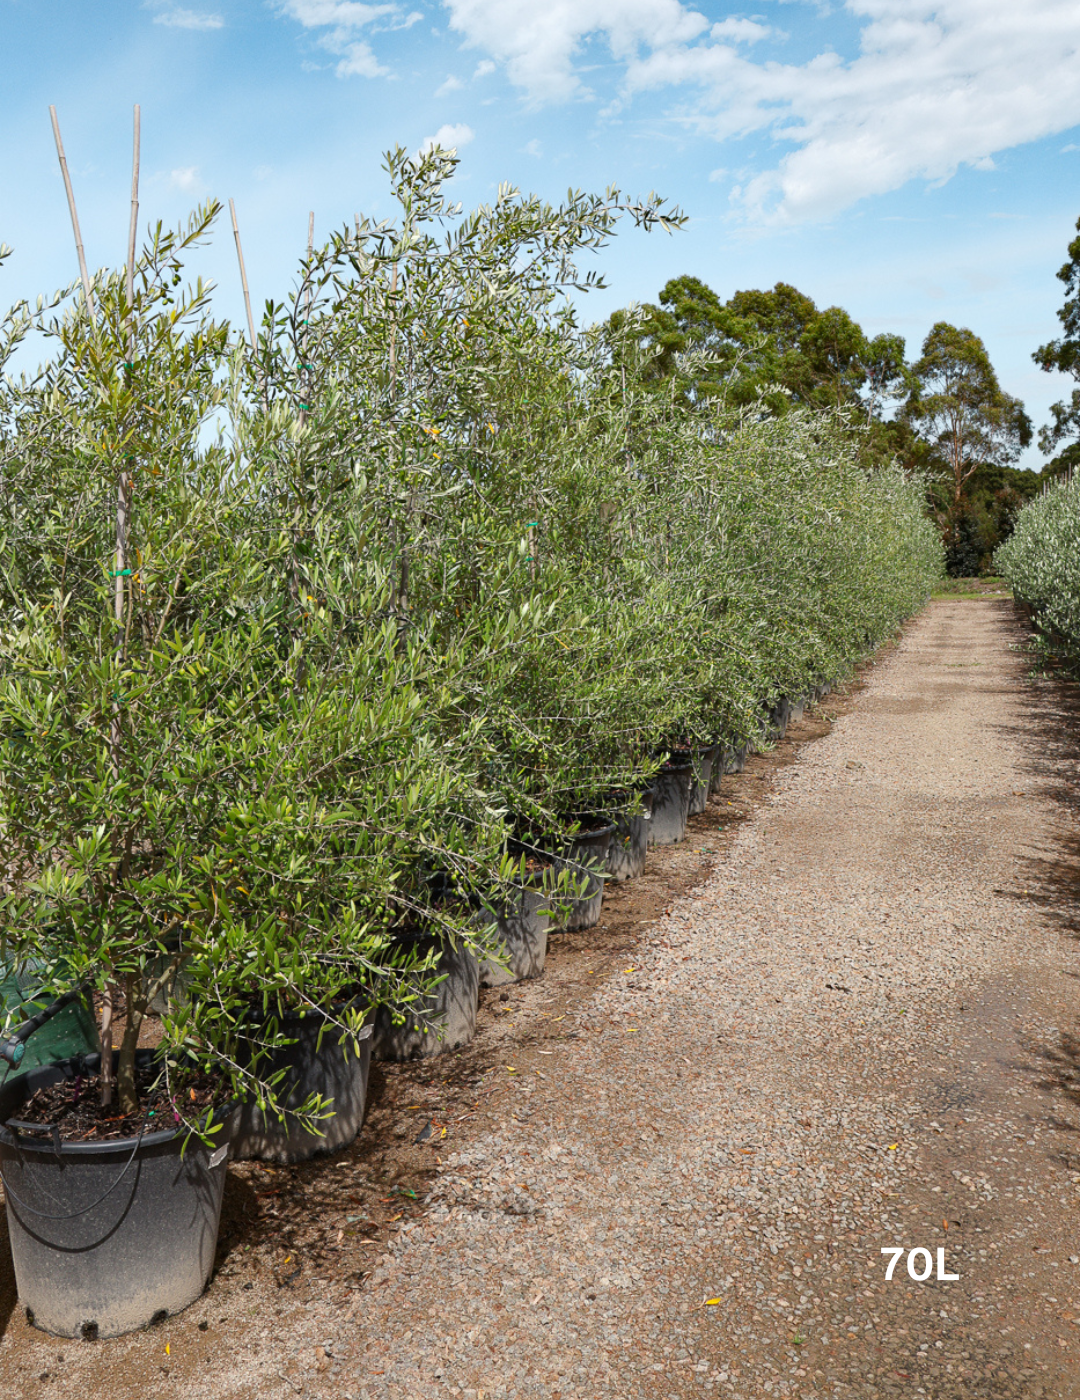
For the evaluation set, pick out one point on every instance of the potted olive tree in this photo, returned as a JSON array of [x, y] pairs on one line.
[[217, 779]]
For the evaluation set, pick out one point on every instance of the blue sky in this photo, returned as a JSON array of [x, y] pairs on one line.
[[908, 160]]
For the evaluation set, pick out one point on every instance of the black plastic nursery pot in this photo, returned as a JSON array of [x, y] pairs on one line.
[[629, 841], [442, 1020], [671, 788], [106, 1237], [779, 718], [585, 855], [335, 1067], [523, 923], [734, 760], [705, 760], [798, 709]]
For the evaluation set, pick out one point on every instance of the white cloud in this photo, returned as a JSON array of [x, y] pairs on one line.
[[357, 59], [451, 84], [186, 179], [343, 21], [188, 19], [450, 137], [739, 31], [484, 67], [935, 84], [349, 14], [538, 43], [534, 148]]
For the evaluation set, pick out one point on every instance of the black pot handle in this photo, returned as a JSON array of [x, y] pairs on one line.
[[83, 1210]]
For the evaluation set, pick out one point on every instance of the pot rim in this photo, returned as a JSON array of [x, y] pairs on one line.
[[592, 834], [134, 1145], [314, 1012]]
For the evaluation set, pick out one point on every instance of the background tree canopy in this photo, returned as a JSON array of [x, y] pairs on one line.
[[765, 353], [1064, 355]]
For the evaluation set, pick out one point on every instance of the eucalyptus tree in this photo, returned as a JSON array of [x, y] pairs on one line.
[[960, 410], [1063, 355]]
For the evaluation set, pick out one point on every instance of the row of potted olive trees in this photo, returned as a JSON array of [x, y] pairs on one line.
[[326, 662]]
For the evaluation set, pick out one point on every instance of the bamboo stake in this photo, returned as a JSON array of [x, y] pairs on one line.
[[243, 274], [393, 329], [123, 482], [106, 1044], [105, 1029], [133, 226], [122, 501], [74, 213], [120, 574], [306, 375]]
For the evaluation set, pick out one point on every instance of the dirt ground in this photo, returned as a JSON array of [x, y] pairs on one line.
[[977, 1092], [315, 1229]]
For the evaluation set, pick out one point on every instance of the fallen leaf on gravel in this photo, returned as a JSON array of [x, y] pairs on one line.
[[712, 1302]]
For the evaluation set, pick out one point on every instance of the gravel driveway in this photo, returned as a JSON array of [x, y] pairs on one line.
[[860, 1032]]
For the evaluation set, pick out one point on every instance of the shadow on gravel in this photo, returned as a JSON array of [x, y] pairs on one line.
[[1049, 734]]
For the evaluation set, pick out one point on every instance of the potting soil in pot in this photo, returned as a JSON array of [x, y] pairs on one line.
[[106, 1236], [442, 1020], [73, 1102]]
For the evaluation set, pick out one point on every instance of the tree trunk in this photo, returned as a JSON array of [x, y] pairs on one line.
[[125, 1069]]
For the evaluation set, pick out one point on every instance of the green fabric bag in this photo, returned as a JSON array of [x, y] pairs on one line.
[[70, 1032]]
